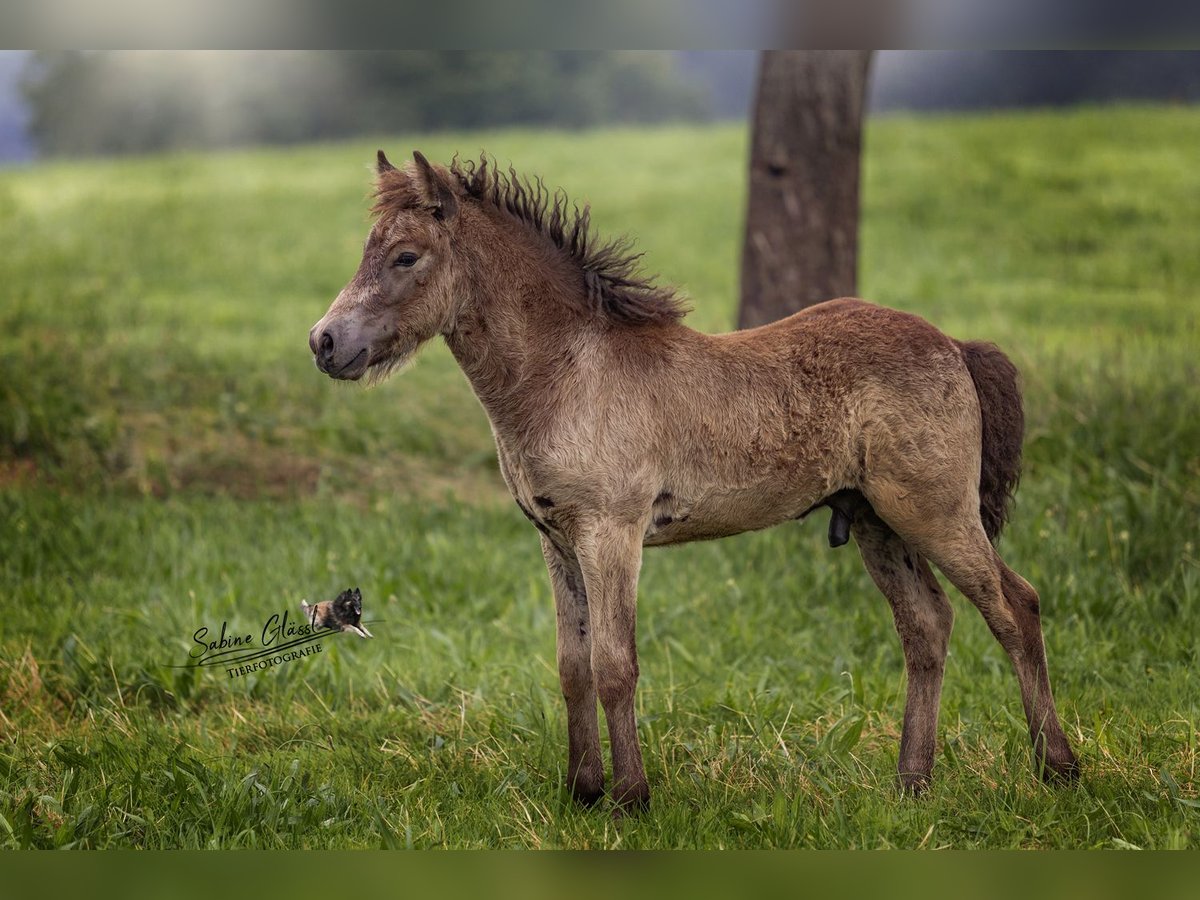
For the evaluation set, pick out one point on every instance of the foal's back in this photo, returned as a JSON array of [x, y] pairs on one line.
[[755, 427]]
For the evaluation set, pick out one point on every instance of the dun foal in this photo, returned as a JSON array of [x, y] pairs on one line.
[[618, 427]]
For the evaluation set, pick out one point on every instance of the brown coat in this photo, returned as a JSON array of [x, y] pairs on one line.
[[617, 426]]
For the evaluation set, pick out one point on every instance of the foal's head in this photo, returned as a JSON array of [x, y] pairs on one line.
[[404, 291]]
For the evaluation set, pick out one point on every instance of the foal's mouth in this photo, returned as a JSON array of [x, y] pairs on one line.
[[382, 364], [354, 369]]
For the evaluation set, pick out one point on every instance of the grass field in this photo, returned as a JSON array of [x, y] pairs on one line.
[[170, 459]]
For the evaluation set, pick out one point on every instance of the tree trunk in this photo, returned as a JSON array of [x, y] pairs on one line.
[[801, 244]]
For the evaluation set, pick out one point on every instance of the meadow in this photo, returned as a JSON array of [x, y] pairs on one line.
[[170, 459]]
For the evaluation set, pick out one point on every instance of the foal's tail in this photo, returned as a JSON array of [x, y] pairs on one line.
[[995, 380]]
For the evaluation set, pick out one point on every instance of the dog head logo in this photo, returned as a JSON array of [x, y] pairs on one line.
[[344, 613]]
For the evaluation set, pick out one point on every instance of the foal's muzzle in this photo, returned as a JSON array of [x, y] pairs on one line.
[[336, 356]]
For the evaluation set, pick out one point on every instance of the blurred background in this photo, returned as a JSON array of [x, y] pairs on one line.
[[86, 103]]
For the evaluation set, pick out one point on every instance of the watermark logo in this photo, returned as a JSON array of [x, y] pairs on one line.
[[281, 639]]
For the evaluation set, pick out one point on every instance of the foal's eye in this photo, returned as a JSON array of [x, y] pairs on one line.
[[405, 260]]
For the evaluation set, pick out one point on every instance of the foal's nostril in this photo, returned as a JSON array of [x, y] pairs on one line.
[[325, 347]]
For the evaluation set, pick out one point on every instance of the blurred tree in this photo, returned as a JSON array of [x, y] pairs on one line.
[[122, 102], [801, 241]]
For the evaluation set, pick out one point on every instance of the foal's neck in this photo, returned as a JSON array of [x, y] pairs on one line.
[[516, 333]]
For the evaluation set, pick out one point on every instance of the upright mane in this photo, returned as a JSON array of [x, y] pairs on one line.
[[613, 284]]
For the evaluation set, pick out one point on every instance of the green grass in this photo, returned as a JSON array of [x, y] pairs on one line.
[[169, 458]]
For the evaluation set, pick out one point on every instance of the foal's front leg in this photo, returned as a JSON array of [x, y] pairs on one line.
[[585, 766], [611, 556]]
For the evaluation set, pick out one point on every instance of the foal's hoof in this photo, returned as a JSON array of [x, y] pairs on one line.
[[913, 784], [586, 796], [585, 789], [631, 800], [1061, 772], [1054, 760]]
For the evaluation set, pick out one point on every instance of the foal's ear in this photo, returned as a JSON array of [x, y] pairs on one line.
[[382, 166], [439, 196]]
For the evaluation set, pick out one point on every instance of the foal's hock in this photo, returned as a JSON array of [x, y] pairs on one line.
[[618, 427]]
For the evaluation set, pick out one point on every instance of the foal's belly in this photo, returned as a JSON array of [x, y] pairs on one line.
[[716, 514]]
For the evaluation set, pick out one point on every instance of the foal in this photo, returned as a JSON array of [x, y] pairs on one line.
[[618, 427]]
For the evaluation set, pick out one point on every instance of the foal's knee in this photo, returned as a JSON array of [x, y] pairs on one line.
[[575, 677], [615, 672]]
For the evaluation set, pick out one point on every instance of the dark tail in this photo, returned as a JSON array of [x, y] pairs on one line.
[[995, 380]]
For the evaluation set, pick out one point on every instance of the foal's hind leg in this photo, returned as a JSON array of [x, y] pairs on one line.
[[923, 620], [1054, 755], [958, 546], [585, 765]]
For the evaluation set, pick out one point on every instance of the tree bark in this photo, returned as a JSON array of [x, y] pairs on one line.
[[801, 243]]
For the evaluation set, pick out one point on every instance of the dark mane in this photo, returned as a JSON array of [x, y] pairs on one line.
[[612, 281], [612, 278]]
